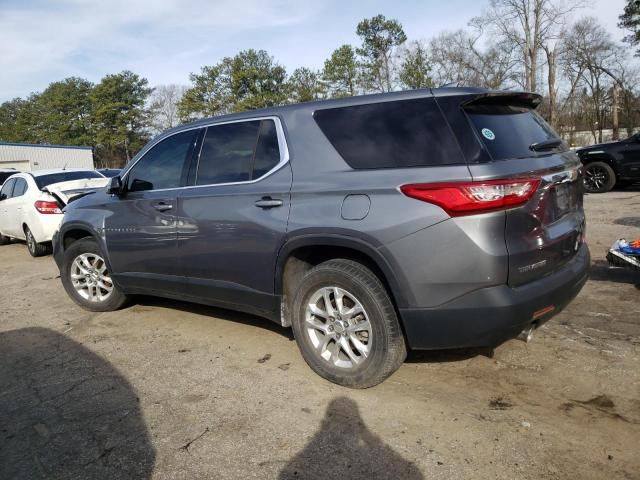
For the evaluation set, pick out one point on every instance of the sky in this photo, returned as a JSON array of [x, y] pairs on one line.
[[44, 41]]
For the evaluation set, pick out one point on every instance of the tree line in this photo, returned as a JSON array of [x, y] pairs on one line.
[[587, 79]]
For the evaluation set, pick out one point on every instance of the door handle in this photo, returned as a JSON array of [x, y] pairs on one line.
[[268, 202], [162, 207]]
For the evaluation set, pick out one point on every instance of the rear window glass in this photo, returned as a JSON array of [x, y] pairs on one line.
[[44, 180], [405, 133], [508, 131]]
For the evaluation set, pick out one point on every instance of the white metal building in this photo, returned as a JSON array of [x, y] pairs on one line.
[[26, 157]]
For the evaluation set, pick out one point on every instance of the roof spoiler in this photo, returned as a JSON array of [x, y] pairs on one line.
[[520, 99]]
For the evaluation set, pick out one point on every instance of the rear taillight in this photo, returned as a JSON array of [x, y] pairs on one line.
[[466, 198], [47, 207]]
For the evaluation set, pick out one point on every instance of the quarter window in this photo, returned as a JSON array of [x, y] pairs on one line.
[[267, 151], [403, 133], [164, 165], [238, 152]]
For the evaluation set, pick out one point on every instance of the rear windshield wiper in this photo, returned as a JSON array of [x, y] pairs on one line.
[[546, 145]]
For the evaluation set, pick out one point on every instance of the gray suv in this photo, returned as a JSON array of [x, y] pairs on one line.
[[426, 219]]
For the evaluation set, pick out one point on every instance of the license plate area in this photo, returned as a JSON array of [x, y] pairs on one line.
[[564, 200]]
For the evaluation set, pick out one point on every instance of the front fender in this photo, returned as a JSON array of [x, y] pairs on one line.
[[69, 226], [611, 158]]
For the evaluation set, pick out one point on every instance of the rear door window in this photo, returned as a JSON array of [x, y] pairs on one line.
[[227, 153], [404, 133], [508, 131], [238, 152], [20, 187]]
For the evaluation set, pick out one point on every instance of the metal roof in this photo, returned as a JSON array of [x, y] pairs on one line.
[[44, 145], [343, 102]]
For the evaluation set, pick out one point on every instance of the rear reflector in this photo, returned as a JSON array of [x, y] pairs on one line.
[[47, 207], [466, 198], [542, 312]]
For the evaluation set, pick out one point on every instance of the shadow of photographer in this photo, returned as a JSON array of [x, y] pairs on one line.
[[67, 413], [344, 448]]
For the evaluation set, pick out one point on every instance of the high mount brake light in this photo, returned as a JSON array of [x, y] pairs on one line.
[[47, 207], [467, 198]]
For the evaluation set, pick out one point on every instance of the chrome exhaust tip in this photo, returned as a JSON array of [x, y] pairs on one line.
[[526, 335]]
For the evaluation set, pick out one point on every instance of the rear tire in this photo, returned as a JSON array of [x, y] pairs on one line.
[[36, 249], [4, 240], [86, 279], [357, 341], [599, 177]]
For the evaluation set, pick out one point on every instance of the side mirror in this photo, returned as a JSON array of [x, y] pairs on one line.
[[116, 187]]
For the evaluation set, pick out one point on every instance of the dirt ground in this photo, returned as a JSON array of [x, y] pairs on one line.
[[169, 390]]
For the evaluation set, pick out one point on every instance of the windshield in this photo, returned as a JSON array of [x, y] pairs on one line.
[[508, 131], [44, 180]]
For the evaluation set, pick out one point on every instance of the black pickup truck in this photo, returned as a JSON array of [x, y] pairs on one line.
[[611, 164]]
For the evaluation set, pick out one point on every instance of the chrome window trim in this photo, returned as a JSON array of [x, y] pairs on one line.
[[282, 146]]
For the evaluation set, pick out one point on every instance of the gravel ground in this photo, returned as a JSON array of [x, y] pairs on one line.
[[170, 390]]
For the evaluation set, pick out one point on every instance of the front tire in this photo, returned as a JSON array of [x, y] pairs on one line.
[[599, 177], [35, 249], [4, 240], [346, 326], [87, 280]]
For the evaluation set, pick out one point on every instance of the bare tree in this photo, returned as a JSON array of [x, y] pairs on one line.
[[533, 27], [457, 57], [527, 24], [163, 106], [595, 60], [629, 76]]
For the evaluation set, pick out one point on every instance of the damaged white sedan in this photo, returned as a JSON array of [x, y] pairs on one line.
[[31, 204]]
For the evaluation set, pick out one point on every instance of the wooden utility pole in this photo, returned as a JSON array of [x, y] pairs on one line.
[[551, 82], [614, 111]]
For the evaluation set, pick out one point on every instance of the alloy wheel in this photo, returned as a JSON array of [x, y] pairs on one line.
[[90, 277], [595, 177], [338, 327]]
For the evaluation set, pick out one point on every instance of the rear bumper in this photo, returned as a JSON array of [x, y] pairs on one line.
[[43, 226], [491, 316]]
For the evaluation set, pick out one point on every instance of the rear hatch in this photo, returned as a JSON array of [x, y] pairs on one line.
[[548, 230]]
